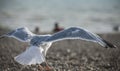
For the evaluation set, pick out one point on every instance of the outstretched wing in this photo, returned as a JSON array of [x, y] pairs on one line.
[[78, 33], [22, 34]]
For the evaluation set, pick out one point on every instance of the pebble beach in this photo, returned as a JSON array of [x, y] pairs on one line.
[[67, 55]]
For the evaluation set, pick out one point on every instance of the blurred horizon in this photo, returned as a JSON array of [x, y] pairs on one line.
[[93, 15]]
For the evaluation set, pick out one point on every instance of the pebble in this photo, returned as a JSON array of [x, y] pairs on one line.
[[68, 59]]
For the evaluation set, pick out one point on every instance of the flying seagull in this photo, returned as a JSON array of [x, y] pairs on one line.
[[39, 44]]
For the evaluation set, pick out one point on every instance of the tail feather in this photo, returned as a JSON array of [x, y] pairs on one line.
[[32, 55]]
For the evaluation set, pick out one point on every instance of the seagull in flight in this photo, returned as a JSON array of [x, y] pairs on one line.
[[39, 44]]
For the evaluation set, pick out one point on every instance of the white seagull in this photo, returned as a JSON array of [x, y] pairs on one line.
[[39, 44]]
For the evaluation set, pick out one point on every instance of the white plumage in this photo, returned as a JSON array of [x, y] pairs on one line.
[[33, 55], [39, 44]]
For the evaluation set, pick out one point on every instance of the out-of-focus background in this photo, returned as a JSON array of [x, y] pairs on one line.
[[89, 14], [50, 16]]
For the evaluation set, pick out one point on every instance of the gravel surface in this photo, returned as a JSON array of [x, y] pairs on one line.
[[68, 55]]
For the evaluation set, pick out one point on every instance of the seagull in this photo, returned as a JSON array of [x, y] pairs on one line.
[[39, 44]]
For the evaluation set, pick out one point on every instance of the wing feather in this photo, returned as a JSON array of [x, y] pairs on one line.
[[76, 33], [22, 34]]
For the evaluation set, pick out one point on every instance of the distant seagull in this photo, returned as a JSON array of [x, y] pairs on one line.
[[39, 44]]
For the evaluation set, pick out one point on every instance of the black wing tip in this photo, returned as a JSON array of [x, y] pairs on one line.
[[2, 37], [109, 45], [113, 46]]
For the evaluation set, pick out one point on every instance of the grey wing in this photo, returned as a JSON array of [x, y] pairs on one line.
[[76, 33], [22, 34]]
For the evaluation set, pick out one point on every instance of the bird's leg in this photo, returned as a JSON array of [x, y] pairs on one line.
[[47, 67], [40, 68]]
